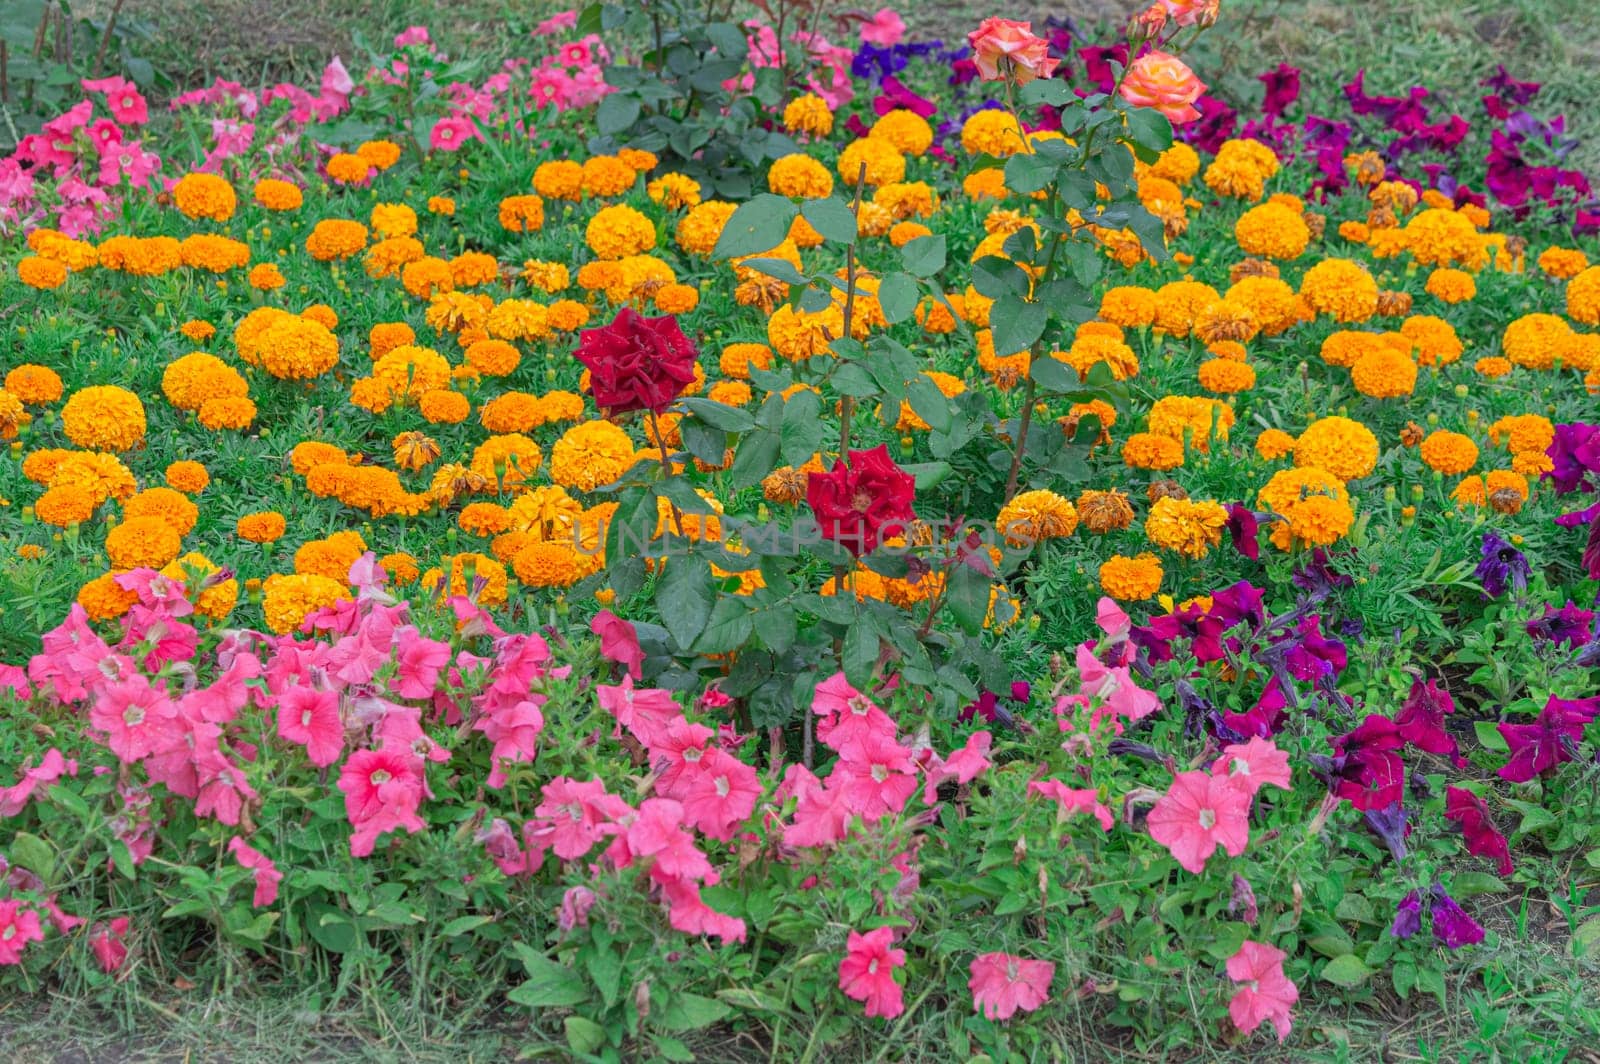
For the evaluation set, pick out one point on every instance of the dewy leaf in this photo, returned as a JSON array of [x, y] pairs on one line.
[[832, 218], [758, 225]]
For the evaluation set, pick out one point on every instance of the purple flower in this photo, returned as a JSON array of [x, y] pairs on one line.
[[1518, 92], [1451, 925], [1366, 769], [1311, 654], [1265, 717], [1243, 526], [1575, 454], [1538, 748], [1389, 824], [1407, 916], [1282, 89], [1317, 578], [1500, 563], [1569, 625], [1420, 721]]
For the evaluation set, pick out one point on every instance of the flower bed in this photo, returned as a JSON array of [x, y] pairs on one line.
[[793, 539]]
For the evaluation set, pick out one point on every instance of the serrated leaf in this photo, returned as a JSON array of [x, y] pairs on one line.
[[1017, 324], [758, 225], [832, 217], [924, 256], [685, 596], [898, 296]]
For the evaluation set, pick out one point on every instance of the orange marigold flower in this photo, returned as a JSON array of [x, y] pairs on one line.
[[1131, 579], [205, 196], [143, 543]]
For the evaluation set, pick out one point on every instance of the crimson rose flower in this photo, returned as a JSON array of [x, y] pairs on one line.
[[637, 363], [855, 501]]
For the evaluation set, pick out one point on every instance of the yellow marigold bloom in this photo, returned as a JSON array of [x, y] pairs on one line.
[[336, 238], [591, 455], [266, 277], [391, 220], [1563, 263], [883, 162], [1128, 306], [699, 229], [1581, 352], [66, 505], [1492, 366], [1451, 286], [552, 277], [427, 277], [1131, 579], [1274, 444], [797, 334], [143, 543], [619, 230], [1314, 504], [1343, 447], [1179, 303], [808, 113], [411, 371], [1036, 515], [102, 476], [34, 385], [104, 418], [674, 191], [43, 274], [541, 563], [1090, 350], [991, 132], [512, 412], [75, 255], [1192, 421], [226, 412], [444, 407], [559, 179], [1226, 376], [379, 154], [736, 359], [213, 592], [1504, 489], [208, 251], [1148, 450], [677, 298], [1241, 169], [639, 160], [1102, 512], [103, 599], [1178, 164], [1341, 289], [799, 176], [483, 519], [1445, 238], [308, 454], [1535, 341], [198, 331], [288, 600], [1523, 433], [907, 131], [606, 176], [1449, 453], [1435, 339], [518, 319], [205, 196], [475, 576], [288, 346], [346, 168], [402, 568], [1583, 297], [167, 504], [1384, 374], [277, 195], [988, 183], [457, 311], [188, 477], [441, 205], [331, 556], [1185, 526], [1224, 321], [1273, 231], [474, 268], [903, 233]]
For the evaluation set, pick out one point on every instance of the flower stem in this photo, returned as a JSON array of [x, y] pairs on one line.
[[666, 469]]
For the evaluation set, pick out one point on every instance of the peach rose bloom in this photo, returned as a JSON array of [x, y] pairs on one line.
[[1163, 82], [1004, 48], [1192, 12]]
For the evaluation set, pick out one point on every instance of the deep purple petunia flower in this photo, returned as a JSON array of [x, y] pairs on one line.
[[1407, 916], [1243, 528], [1451, 924], [1390, 825], [1569, 625], [1367, 770], [1501, 563]]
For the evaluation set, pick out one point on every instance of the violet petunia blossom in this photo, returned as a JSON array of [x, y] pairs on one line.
[[1451, 924], [1420, 721], [1243, 529], [1570, 625], [1390, 824], [1407, 916], [1501, 563], [1575, 456], [1282, 89]]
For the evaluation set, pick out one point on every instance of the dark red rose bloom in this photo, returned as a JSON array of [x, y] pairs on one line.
[[637, 363], [855, 501]]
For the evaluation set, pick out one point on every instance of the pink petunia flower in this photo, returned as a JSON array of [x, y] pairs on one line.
[[619, 641], [1265, 993], [51, 767], [136, 718], [1197, 814], [876, 778], [722, 795], [1003, 984], [311, 718], [867, 972], [381, 794], [578, 815], [1074, 800], [885, 29], [106, 941], [451, 132], [18, 927], [266, 874], [1253, 765], [848, 716]]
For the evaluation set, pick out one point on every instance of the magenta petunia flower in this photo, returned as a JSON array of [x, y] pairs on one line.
[[1483, 839]]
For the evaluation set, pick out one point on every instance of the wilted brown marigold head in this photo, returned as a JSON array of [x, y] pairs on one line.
[[1252, 268], [785, 486], [1506, 500], [1382, 218], [1393, 304], [1104, 511], [763, 292], [1411, 435], [1166, 489], [1317, 223]]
